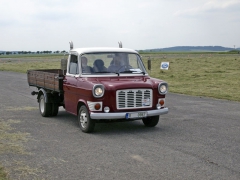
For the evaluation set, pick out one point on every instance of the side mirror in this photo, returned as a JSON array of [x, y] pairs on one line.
[[149, 64], [71, 45], [64, 64], [120, 44]]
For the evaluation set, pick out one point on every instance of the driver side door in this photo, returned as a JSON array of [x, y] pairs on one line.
[[70, 85]]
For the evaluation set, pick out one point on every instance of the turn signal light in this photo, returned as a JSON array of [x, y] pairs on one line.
[[161, 102], [97, 106]]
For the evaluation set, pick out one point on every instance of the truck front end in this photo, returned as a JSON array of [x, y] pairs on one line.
[[121, 87], [128, 98]]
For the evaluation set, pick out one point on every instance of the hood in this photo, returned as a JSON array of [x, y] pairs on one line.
[[128, 82]]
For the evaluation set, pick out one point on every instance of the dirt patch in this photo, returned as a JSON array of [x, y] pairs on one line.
[[12, 142]]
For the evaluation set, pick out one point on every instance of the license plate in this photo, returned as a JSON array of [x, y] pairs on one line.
[[136, 115]]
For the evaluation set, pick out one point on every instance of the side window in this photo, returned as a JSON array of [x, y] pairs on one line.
[[73, 66], [133, 61]]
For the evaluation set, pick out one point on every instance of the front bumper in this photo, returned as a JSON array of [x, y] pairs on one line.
[[122, 115]]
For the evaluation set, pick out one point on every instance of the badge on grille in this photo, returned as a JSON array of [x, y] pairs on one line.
[[146, 102]]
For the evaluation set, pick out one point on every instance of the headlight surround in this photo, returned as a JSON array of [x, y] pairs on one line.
[[98, 90], [163, 88]]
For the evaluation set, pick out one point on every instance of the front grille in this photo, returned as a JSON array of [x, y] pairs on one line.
[[134, 98]]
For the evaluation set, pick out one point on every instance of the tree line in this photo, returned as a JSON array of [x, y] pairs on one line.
[[31, 52]]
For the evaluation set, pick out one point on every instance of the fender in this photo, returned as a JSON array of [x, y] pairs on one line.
[[81, 102], [44, 93]]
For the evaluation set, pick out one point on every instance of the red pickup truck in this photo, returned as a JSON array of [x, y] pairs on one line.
[[100, 84]]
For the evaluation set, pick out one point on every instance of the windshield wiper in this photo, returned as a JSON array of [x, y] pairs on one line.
[[129, 71], [103, 72]]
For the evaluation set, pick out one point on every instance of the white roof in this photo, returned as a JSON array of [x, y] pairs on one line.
[[102, 49]]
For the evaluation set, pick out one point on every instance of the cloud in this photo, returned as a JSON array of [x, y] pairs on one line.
[[217, 5], [211, 6], [139, 24]]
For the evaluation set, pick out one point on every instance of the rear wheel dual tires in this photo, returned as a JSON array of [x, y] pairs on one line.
[[47, 109], [44, 108], [85, 122], [55, 108], [151, 121]]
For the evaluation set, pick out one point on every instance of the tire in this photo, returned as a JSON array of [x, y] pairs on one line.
[[54, 109], [85, 122], [151, 121], [44, 108]]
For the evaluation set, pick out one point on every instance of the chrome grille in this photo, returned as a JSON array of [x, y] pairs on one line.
[[134, 98]]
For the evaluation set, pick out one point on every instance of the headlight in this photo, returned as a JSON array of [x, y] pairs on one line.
[[163, 88], [98, 90]]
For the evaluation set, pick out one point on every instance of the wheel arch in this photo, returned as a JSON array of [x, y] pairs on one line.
[[46, 95], [80, 103]]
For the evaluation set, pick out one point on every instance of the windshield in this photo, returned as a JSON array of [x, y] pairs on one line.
[[93, 63]]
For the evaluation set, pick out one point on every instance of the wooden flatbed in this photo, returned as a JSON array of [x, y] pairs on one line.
[[50, 79]]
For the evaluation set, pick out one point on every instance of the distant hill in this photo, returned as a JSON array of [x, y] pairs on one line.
[[173, 49], [191, 49]]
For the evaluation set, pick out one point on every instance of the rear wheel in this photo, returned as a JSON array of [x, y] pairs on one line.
[[44, 108], [85, 122], [55, 109], [151, 121]]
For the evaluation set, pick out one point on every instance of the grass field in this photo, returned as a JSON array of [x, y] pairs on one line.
[[211, 75], [199, 74]]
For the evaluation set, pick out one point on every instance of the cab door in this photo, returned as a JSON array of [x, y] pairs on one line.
[[70, 84]]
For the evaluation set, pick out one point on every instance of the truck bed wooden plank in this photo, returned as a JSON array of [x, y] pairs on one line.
[[51, 79]]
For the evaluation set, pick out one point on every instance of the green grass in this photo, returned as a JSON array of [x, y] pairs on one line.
[[22, 66], [3, 174], [200, 74], [25, 56], [12, 142], [211, 75]]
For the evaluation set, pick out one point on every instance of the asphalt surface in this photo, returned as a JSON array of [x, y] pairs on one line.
[[198, 139]]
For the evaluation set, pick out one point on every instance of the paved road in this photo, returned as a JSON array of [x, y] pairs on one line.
[[198, 139]]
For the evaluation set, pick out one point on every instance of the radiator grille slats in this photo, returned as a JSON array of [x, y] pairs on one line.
[[134, 98]]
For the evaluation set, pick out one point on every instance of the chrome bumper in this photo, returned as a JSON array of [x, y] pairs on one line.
[[122, 115]]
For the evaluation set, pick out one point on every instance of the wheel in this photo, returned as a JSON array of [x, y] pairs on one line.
[[85, 122], [151, 121], [44, 108], [54, 109]]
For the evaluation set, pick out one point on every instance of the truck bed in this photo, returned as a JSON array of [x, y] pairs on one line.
[[50, 79]]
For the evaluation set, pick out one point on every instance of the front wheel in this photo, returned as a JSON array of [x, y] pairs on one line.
[[151, 121], [85, 122]]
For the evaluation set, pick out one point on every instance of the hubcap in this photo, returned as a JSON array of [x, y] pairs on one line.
[[83, 119]]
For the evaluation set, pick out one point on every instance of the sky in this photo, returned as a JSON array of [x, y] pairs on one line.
[[39, 25]]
